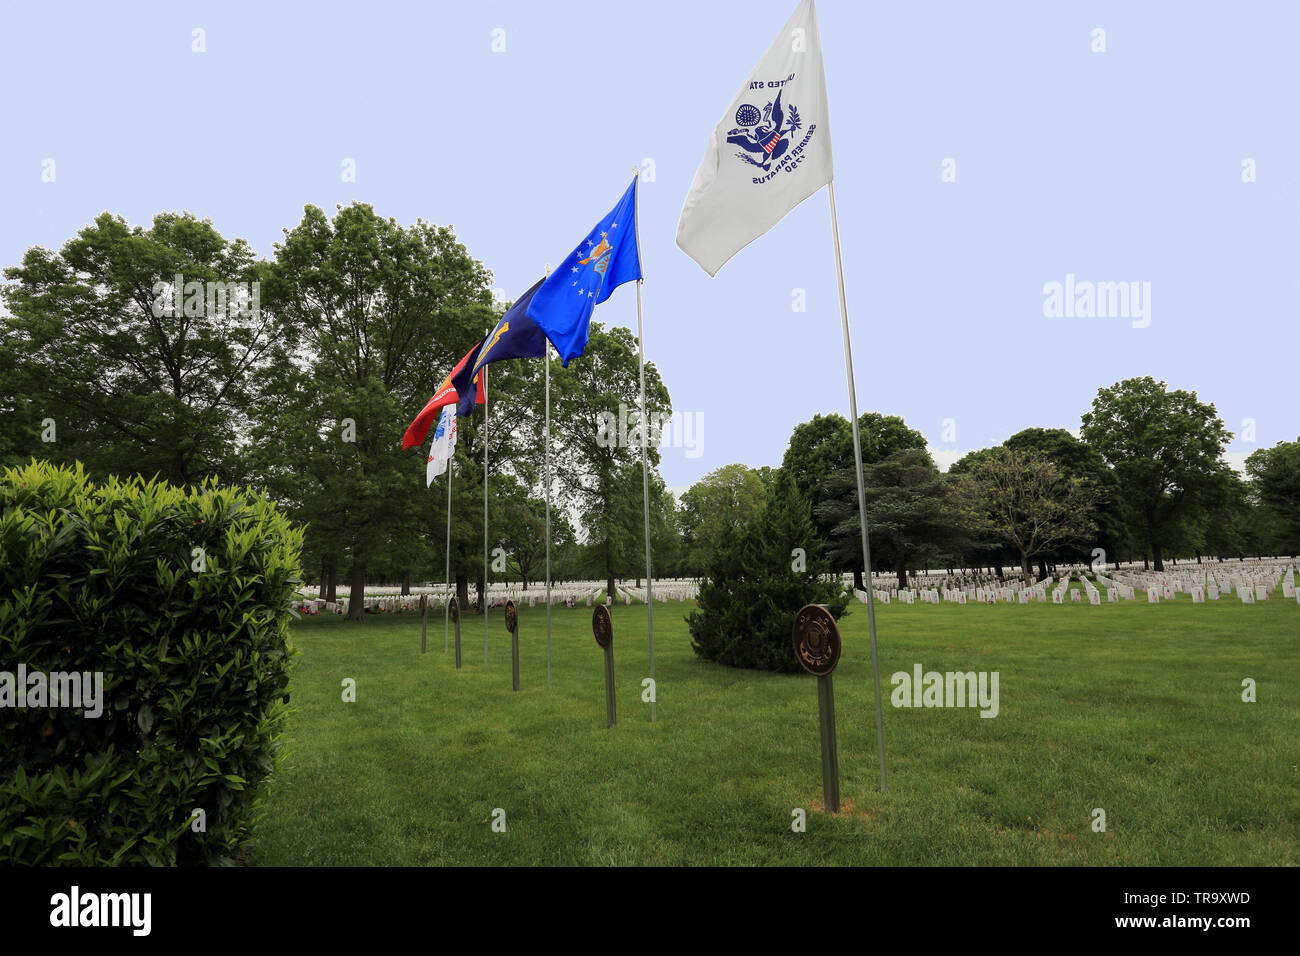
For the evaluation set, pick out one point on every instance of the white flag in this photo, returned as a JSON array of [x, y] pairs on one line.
[[444, 445], [770, 152]]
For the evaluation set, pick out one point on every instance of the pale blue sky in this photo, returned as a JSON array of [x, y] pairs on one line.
[[1116, 166]]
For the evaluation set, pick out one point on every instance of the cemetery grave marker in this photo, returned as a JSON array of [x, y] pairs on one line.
[[817, 647], [512, 625], [453, 610], [602, 628], [424, 620]]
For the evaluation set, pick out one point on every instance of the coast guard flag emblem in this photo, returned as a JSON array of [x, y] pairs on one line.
[[770, 151]]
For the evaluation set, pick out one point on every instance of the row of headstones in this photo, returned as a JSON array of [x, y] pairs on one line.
[[1268, 575], [1115, 592], [952, 595], [568, 598], [663, 593], [940, 582], [1005, 591], [1257, 571], [1251, 588]]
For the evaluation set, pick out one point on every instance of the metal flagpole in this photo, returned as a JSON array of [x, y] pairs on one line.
[[485, 510], [862, 497], [645, 433], [446, 603], [547, 346]]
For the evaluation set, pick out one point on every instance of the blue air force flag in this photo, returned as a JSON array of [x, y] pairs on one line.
[[515, 336], [603, 261], [770, 151]]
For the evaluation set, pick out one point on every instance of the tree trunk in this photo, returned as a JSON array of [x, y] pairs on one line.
[[462, 591], [406, 584], [481, 587], [857, 580], [1025, 569], [332, 585], [901, 570], [1042, 567], [357, 592], [999, 569], [1156, 556]]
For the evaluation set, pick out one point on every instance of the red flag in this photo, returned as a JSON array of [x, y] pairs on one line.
[[418, 430]]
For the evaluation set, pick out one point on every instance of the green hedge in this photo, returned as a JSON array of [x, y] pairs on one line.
[[194, 652]]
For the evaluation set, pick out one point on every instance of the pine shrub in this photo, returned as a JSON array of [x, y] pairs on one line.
[[751, 593]]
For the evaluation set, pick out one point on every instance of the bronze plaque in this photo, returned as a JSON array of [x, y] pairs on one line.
[[816, 640], [453, 609], [602, 626], [512, 617]]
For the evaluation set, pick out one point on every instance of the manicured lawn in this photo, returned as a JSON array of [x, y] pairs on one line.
[[1133, 708]]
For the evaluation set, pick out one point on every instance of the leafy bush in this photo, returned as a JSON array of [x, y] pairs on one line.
[[751, 594], [194, 652]]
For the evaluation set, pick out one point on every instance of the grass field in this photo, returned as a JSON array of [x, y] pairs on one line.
[[1133, 708]]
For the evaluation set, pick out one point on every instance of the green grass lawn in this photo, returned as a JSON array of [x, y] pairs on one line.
[[1133, 708]]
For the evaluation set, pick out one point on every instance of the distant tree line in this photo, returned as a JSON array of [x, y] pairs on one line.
[[1145, 481], [173, 351]]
